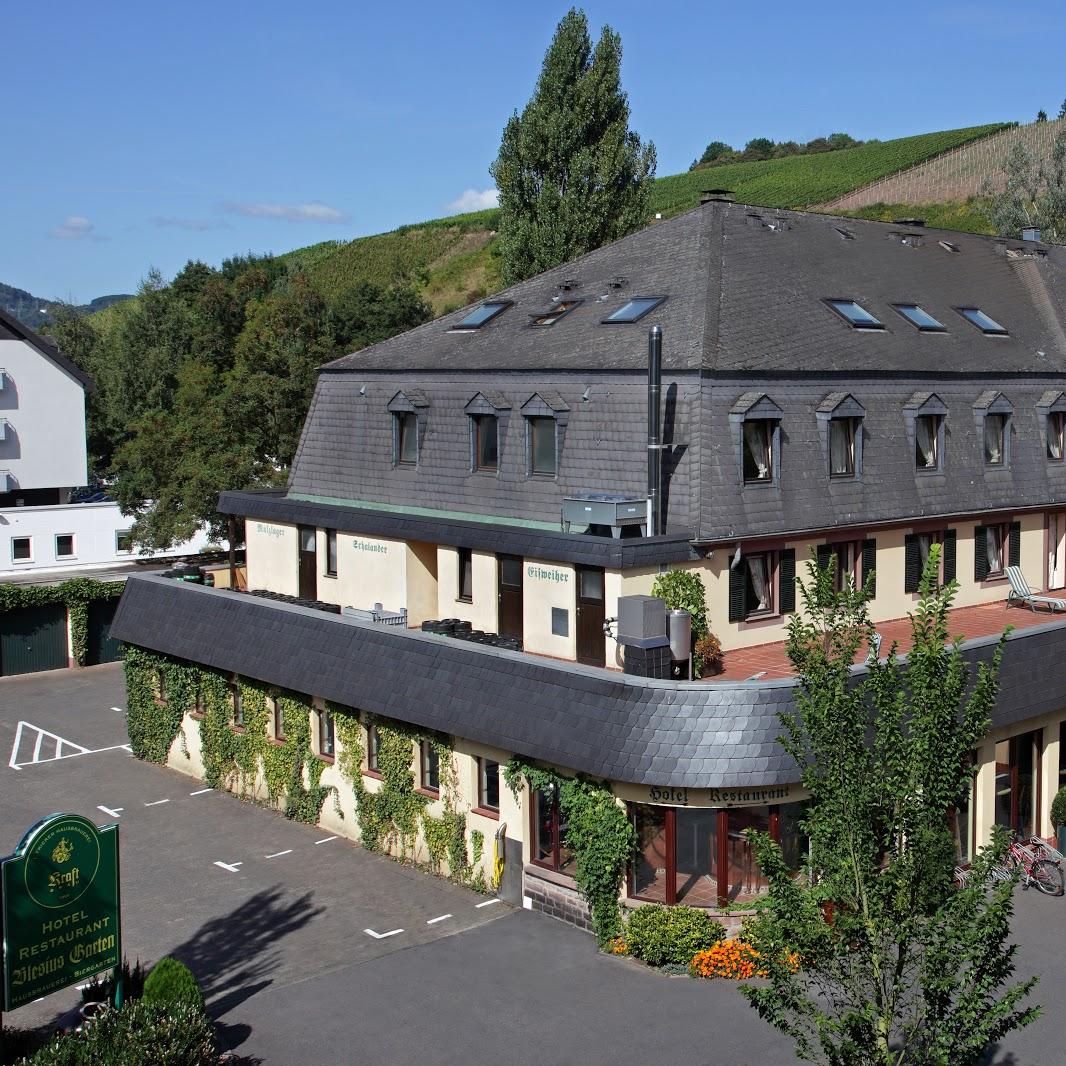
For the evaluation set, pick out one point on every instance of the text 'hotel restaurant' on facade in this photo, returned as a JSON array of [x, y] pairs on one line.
[[859, 389]]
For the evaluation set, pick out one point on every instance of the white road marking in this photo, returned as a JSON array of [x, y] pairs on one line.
[[201, 791], [60, 743], [325, 840], [278, 854], [155, 803], [381, 936], [107, 810], [487, 903], [231, 866], [433, 921], [118, 709]]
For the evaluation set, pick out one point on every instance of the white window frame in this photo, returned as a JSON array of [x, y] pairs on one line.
[[21, 562], [73, 554]]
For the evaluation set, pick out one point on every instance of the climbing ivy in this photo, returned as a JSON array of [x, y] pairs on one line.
[[598, 832], [152, 722], [75, 594]]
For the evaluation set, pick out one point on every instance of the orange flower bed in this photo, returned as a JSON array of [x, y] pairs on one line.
[[618, 946], [734, 959]]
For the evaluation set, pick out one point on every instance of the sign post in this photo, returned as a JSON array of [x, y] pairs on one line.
[[61, 913]]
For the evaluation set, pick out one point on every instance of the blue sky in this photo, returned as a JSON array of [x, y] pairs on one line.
[[142, 135]]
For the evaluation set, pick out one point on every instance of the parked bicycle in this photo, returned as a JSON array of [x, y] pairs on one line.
[[1040, 865]]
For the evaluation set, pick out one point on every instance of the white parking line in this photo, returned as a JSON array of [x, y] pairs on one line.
[[60, 743], [433, 921], [381, 936], [201, 791], [118, 709], [231, 866], [155, 803], [487, 903], [108, 810], [325, 840], [278, 854]]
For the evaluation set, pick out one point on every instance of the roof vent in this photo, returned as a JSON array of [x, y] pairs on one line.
[[716, 196], [619, 281], [567, 284], [916, 222], [1031, 233]]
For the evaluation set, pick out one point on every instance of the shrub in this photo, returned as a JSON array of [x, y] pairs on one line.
[[661, 935], [101, 989], [709, 651], [141, 1034], [172, 982], [1058, 808]]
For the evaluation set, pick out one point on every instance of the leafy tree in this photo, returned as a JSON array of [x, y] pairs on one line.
[[912, 972], [1062, 109], [758, 148], [572, 176], [1033, 193], [1041, 115], [714, 151]]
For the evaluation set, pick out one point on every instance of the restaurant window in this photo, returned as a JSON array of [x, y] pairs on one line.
[[331, 553], [1056, 421], [64, 545], [701, 856], [466, 575], [405, 438], [759, 584], [842, 433], [995, 548], [927, 444], [995, 437], [327, 738], [373, 749], [549, 832], [22, 549], [488, 784], [430, 761], [762, 584], [759, 436], [1018, 782], [542, 451], [485, 431]]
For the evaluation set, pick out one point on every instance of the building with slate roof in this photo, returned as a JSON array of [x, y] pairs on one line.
[[855, 390]]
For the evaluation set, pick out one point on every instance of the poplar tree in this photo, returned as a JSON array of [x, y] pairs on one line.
[[904, 968], [571, 174]]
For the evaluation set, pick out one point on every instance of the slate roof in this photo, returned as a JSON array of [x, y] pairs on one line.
[[12, 329], [599, 722], [745, 290]]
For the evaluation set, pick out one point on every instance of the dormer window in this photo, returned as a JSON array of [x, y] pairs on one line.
[[546, 414], [840, 418], [855, 314], [554, 313], [987, 325], [634, 310], [486, 442], [842, 447], [1056, 422], [927, 442], [759, 450], [542, 454], [483, 314], [756, 425], [995, 437], [992, 414], [918, 316], [405, 434], [409, 410]]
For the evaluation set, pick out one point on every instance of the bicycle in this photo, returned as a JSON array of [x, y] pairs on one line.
[[1043, 873]]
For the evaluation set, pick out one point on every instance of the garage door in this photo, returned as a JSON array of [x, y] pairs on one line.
[[102, 647], [33, 638]]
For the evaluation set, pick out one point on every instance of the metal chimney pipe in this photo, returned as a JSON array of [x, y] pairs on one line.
[[655, 382]]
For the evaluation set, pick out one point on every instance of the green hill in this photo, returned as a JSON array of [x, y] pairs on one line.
[[452, 260]]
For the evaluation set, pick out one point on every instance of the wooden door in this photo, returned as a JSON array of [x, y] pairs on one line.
[[308, 563], [591, 642], [509, 623]]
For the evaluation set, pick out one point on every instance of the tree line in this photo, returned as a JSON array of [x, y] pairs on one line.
[[718, 153]]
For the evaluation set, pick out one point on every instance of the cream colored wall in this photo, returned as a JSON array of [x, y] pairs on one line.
[[272, 557], [544, 586], [482, 613], [422, 593], [186, 753], [369, 570]]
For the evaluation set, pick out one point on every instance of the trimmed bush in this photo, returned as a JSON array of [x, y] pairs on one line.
[[172, 982], [141, 1034], [661, 935], [1058, 808]]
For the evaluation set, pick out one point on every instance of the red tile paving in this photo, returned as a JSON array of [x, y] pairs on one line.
[[771, 661]]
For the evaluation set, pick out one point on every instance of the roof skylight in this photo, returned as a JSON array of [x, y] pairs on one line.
[[976, 317], [845, 234], [635, 309], [855, 314], [918, 316], [553, 313], [483, 314]]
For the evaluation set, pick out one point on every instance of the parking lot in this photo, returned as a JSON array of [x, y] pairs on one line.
[[312, 950]]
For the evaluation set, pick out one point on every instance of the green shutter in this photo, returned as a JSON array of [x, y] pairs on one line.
[[787, 575], [980, 553], [949, 555], [869, 564], [1015, 544], [823, 553], [738, 606], [912, 563]]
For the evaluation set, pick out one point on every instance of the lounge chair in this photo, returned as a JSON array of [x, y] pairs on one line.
[[1021, 594]]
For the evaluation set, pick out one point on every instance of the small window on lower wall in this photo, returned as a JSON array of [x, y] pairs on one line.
[[64, 545], [465, 591], [916, 549], [488, 784], [327, 741], [22, 549], [549, 832], [236, 705], [331, 553], [702, 856], [995, 547], [762, 584], [123, 542], [373, 749], [430, 764], [276, 710]]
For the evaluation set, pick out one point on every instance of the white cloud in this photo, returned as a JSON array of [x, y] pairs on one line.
[[474, 200], [75, 228], [312, 212], [190, 223]]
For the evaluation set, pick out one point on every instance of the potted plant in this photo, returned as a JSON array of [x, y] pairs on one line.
[[1058, 817], [709, 654]]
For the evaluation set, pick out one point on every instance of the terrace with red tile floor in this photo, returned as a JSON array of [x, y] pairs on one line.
[[767, 662]]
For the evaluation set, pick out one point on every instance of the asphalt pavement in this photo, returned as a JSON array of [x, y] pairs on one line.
[[313, 950]]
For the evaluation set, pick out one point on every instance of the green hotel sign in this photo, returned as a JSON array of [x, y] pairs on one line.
[[60, 907]]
